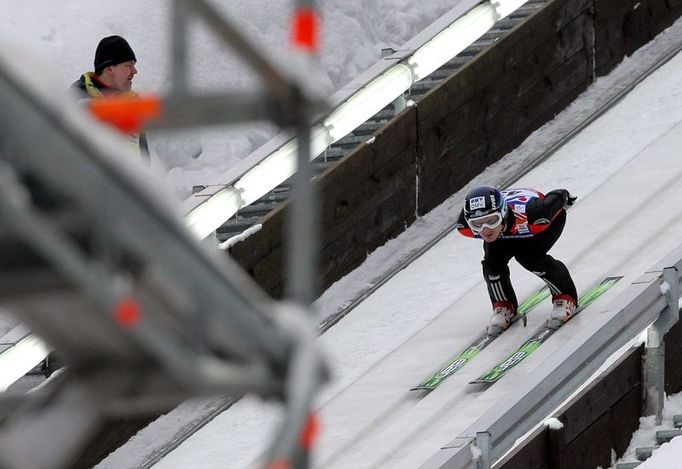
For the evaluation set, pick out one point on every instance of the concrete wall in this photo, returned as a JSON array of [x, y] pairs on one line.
[[623, 26], [366, 199], [474, 118], [503, 95], [604, 417]]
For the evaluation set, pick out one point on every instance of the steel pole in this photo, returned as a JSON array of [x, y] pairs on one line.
[[654, 352], [179, 48], [303, 239], [302, 230]]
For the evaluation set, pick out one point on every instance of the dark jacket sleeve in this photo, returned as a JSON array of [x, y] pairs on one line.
[[543, 211]]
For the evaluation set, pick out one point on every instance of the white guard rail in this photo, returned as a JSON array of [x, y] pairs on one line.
[[630, 313], [271, 165]]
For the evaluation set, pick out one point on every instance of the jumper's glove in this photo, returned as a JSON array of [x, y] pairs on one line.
[[569, 200]]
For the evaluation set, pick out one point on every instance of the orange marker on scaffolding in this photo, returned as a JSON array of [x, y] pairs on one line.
[[127, 313], [125, 113], [305, 30]]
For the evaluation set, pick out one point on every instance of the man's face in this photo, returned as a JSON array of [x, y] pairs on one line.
[[491, 234], [121, 75], [488, 226]]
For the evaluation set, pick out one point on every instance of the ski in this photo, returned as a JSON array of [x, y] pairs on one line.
[[543, 333], [479, 344]]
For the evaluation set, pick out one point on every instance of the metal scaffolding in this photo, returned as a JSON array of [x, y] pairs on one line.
[[99, 264]]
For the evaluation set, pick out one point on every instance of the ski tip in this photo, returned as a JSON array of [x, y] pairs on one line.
[[481, 381], [422, 388]]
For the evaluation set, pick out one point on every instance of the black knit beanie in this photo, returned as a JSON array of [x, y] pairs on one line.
[[112, 50]]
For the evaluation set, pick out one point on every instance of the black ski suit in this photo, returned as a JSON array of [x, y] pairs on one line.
[[533, 224]]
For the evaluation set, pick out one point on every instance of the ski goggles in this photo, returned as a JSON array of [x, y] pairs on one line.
[[486, 221]]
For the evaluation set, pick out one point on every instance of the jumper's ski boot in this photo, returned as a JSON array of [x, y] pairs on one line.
[[503, 315], [563, 309]]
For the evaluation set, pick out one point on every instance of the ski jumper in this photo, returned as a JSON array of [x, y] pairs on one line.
[[533, 224]]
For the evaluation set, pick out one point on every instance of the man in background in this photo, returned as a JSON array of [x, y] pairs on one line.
[[114, 67]]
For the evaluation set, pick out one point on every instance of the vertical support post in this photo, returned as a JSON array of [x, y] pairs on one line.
[[302, 239], [654, 353], [484, 444], [556, 444], [179, 48], [302, 221], [654, 378], [399, 103]]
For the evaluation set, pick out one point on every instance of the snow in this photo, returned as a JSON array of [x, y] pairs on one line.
[[65, 34], [431, 308], [240, 237], [416, 320], [668, 455], [554, 424]]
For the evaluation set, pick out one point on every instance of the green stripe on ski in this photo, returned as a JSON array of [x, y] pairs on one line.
[[533, 301], [595, 292], [479, 344], [543, 333], [455, 365]]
